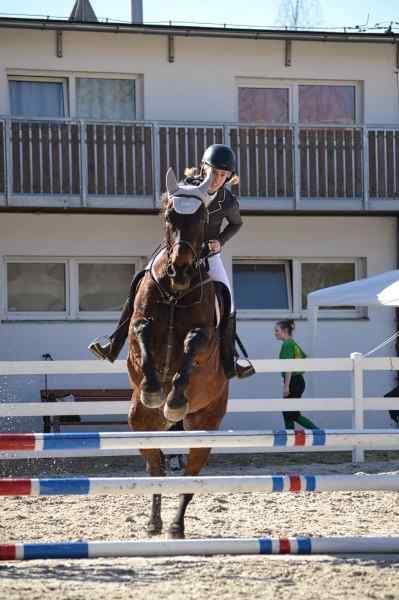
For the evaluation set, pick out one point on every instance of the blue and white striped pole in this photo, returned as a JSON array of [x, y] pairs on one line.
[[204, 547], [142, 486], [318, 438]]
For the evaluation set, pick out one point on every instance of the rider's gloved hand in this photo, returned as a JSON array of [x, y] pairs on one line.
[[214, 246]]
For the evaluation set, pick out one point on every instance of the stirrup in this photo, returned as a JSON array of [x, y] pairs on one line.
[[243, 371]]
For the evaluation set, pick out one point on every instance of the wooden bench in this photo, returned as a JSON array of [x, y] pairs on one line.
[[54, 423]]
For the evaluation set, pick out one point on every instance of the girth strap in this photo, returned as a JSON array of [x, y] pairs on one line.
[[169, 343]]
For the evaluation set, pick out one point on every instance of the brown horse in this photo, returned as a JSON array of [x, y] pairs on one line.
[[174, 359]]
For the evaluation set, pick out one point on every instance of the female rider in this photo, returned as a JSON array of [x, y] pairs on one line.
[[220, 159]]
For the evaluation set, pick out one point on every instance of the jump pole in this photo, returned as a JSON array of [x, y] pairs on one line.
[[142, 486], [204, 547], [274, 440]]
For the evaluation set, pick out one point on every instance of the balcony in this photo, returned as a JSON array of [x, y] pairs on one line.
[[71, 164]]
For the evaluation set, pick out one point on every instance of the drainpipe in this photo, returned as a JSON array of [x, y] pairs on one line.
[[137, 11]]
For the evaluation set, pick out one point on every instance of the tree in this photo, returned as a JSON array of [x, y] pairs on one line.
[[298, 13]]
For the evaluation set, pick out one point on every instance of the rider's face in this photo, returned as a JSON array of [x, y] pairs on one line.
[[219, 178]]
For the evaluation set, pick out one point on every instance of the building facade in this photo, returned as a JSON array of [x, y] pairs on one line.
[[91, 116]]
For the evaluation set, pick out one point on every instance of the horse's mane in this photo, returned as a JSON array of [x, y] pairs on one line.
[[163, 207]]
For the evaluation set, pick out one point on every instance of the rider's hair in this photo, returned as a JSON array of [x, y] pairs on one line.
[[194, 172], [287, 325]]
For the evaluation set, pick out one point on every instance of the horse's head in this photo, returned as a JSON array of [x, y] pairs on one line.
[[185, 216]]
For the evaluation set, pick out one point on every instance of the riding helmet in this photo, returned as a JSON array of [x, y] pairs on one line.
[[220, 157]]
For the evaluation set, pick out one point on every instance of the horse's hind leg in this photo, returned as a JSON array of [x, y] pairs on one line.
[[141, 418], [197, 458], [155, 463]]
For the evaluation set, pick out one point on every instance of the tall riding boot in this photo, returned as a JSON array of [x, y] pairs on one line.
[[111, 349], [229, 353]]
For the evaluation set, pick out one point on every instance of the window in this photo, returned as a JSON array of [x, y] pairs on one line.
[[105, 98], [36, 287], [37, 98], [268, 105], [276, 101], [327, 104], [66, 288], [279, 288], [262, 286], [104, 286], [318, 275]]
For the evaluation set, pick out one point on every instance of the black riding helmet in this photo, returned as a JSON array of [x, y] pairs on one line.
[[220, 157]]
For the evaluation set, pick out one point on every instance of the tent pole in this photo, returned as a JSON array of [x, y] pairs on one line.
[[397, 309]]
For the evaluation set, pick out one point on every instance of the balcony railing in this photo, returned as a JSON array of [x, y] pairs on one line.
[[83, 163]]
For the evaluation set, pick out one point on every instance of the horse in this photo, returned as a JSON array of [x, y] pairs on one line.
[[174, 343]]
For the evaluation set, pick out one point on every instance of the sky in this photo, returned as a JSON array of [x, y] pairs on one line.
[[260, 13]]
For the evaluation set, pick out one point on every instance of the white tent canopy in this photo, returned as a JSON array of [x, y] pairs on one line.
[[379, 290]]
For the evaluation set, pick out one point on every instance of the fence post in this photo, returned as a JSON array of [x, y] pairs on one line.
[[156, 165], [8, 160], [84, 176], [366, 167], [297, 167], [358, 405]]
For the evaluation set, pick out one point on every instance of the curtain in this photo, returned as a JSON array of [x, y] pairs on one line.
[[263, 105], [106, 98], [36, 287], [37, 98], [327, 104], [104, 287]]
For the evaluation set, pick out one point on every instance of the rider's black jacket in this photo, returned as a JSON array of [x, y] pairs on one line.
[[223, 206]]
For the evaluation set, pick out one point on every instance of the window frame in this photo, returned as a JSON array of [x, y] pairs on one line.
[[294, 288], [35, 315], [72, 312], [269, 85], [74, 91], [264, 313], [41, 79], [331, 313], [293, 98], [97, 315], [70, 100]]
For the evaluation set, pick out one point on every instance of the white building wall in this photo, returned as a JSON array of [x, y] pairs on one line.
[[201, 85], [204, 68], [50, 235]]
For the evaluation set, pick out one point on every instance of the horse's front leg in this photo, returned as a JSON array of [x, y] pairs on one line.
[[176, 406], [151, 391]]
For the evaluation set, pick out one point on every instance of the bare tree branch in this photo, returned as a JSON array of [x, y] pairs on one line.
[[299, 13]]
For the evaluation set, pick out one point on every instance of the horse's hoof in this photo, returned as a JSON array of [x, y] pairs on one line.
[[176, 532], [154, 528], [175, 414], [151, 399]]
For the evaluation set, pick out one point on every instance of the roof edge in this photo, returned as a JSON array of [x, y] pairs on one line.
[[198, 31]]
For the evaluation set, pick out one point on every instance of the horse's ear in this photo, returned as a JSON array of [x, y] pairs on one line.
[[171, 181], [203, 188]]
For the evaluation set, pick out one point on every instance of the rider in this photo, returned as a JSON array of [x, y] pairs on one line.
[[220, 159]]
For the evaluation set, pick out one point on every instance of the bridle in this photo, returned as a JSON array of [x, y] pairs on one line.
[[198, 264], [170, 270], [197, 258]]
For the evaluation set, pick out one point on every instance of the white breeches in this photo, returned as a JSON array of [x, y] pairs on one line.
[[217, 272]]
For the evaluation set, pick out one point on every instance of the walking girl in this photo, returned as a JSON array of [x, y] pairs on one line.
[[293, 382]]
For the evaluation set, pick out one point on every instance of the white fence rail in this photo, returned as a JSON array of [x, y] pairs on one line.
[[357, 403]]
